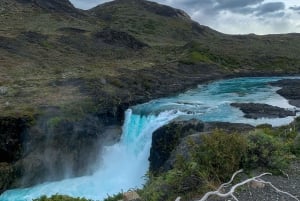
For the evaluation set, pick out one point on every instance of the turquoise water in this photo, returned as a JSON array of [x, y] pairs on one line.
[[124, 164]]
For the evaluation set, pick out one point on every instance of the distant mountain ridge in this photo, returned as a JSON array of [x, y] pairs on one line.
[[54, 5]]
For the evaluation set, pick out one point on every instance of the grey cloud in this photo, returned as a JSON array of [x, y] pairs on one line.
[[233, 4], [270, 8], [295, 8]]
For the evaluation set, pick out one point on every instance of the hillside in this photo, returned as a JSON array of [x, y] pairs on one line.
[[62, 68], [44, 42]]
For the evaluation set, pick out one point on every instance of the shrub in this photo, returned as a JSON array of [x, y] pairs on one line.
[[220, 154], [212, 161], [116, 197], [60, 198], [265, 150]]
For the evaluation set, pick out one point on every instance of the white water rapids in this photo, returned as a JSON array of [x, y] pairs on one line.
[[124, 164]]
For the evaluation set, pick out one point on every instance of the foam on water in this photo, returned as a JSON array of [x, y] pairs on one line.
[[124, 164]]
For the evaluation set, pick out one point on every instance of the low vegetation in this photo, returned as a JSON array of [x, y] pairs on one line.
[[218, 156], [60, 198]]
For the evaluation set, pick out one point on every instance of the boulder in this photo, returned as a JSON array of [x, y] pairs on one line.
[[131, 196]]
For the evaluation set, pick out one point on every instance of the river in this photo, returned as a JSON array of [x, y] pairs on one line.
[[123, 165]]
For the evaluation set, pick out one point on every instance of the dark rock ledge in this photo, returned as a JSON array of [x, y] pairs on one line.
[[257, 110]]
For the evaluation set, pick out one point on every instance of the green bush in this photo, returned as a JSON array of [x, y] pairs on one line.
[[267, 151], [60, 198], [115, 197], [220, 154]]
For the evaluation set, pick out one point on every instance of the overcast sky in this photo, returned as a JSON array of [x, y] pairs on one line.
[[234, 16]]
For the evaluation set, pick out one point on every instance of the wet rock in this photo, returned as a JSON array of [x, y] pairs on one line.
[[12, 131], [12, 134], [257, 110], [6, 176]]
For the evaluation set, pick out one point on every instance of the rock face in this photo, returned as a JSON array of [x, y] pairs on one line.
[[257, 110], [290, 90], [12, 134], [165, 139]]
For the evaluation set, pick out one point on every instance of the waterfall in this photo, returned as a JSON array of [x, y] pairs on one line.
[[123, 165]]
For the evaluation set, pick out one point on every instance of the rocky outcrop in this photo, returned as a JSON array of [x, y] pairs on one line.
[[257, 110], [290, 90], [165, 139], [175, 139]]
